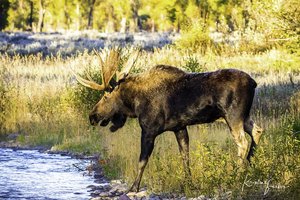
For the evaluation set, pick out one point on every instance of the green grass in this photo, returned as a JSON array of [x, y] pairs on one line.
[[40, 99]]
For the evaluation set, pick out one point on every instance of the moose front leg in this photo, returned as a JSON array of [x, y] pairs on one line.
[[183, 143], [147, 145]]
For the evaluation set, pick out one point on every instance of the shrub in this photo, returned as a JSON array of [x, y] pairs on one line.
[[275, 167], [194, 38], [85, 98], [192, 65]]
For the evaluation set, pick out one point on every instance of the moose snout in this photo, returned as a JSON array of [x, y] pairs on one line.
[[94, 119]]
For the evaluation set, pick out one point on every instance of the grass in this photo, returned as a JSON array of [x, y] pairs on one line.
[[41, 100]]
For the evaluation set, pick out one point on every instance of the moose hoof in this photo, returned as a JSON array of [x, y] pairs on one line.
[[133, 189]]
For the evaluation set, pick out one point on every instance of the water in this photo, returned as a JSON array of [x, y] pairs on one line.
[[29, 174]]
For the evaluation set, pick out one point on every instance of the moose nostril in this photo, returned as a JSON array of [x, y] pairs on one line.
[[93, 119]]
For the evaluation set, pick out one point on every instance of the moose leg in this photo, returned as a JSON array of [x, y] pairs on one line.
[[147, 144], [255, 133], [183, 143], [240, 139]]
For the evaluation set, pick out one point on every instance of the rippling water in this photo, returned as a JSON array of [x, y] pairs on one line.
[[29, 174]]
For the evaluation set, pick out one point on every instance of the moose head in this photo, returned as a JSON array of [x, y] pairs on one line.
[[106, 110]]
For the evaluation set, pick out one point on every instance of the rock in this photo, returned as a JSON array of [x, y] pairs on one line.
[[96, 193], [113, 190], [116, 182], [98, 176], [201, 197], [107, 187], [13, 136], [154, 197], [124, 197], [137, 194], [91, 187]]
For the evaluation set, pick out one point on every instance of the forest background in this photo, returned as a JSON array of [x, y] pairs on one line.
[[271, 17]]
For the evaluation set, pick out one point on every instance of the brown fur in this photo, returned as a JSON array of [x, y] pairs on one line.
[[168, 99]]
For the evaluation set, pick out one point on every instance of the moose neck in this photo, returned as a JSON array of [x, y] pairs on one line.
[[128, 93]]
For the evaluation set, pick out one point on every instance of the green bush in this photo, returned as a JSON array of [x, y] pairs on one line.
[[192, 65], [194, 38], [85, 98], [275, 168]]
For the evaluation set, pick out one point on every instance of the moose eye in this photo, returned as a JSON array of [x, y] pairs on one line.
[[105, 98]]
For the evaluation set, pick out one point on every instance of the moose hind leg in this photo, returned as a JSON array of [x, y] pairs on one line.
[[182, 138], [240, 139], [255, 133], [147, 145]]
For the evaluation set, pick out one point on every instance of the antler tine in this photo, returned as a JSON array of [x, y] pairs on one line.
[[101, 67], [109, 69], [128, 65], [110, 65], [88, 83]]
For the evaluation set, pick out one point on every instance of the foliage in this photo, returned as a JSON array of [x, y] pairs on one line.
[[195, 38], [86, 98], [4, 6], [276, 163], [289, 16], [242, 23], [193, 65]]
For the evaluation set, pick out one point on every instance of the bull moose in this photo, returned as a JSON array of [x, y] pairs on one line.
[[166, 98]]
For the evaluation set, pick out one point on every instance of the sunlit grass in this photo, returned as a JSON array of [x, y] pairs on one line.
[[39, 101]]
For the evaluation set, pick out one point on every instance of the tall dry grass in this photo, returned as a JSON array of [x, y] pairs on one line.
[[41, 101]]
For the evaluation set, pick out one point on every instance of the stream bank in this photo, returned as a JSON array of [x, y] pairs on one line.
[[38, 172]]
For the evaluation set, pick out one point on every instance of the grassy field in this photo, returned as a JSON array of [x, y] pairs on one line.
[[41, 101]]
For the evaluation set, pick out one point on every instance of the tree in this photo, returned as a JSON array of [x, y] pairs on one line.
[[42, 11], [4, 6], [135, 24], [31, 15], [91, 4]]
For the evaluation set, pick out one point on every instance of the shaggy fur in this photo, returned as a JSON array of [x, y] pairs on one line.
[[166, 98]]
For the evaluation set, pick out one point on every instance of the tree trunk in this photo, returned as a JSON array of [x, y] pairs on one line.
[[31, 16], [4, 14], [135, 24], [90, 17], [67, 19], [123, 25], [78, 22], [152, 26], [110, 26], [41, 16]]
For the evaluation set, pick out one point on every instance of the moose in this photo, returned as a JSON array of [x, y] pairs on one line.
[[166, 98]]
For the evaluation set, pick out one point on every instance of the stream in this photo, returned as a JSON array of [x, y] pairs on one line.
[[30, 174]]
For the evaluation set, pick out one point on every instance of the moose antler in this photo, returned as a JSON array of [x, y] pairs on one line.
[[109, 68], [128, 65]]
